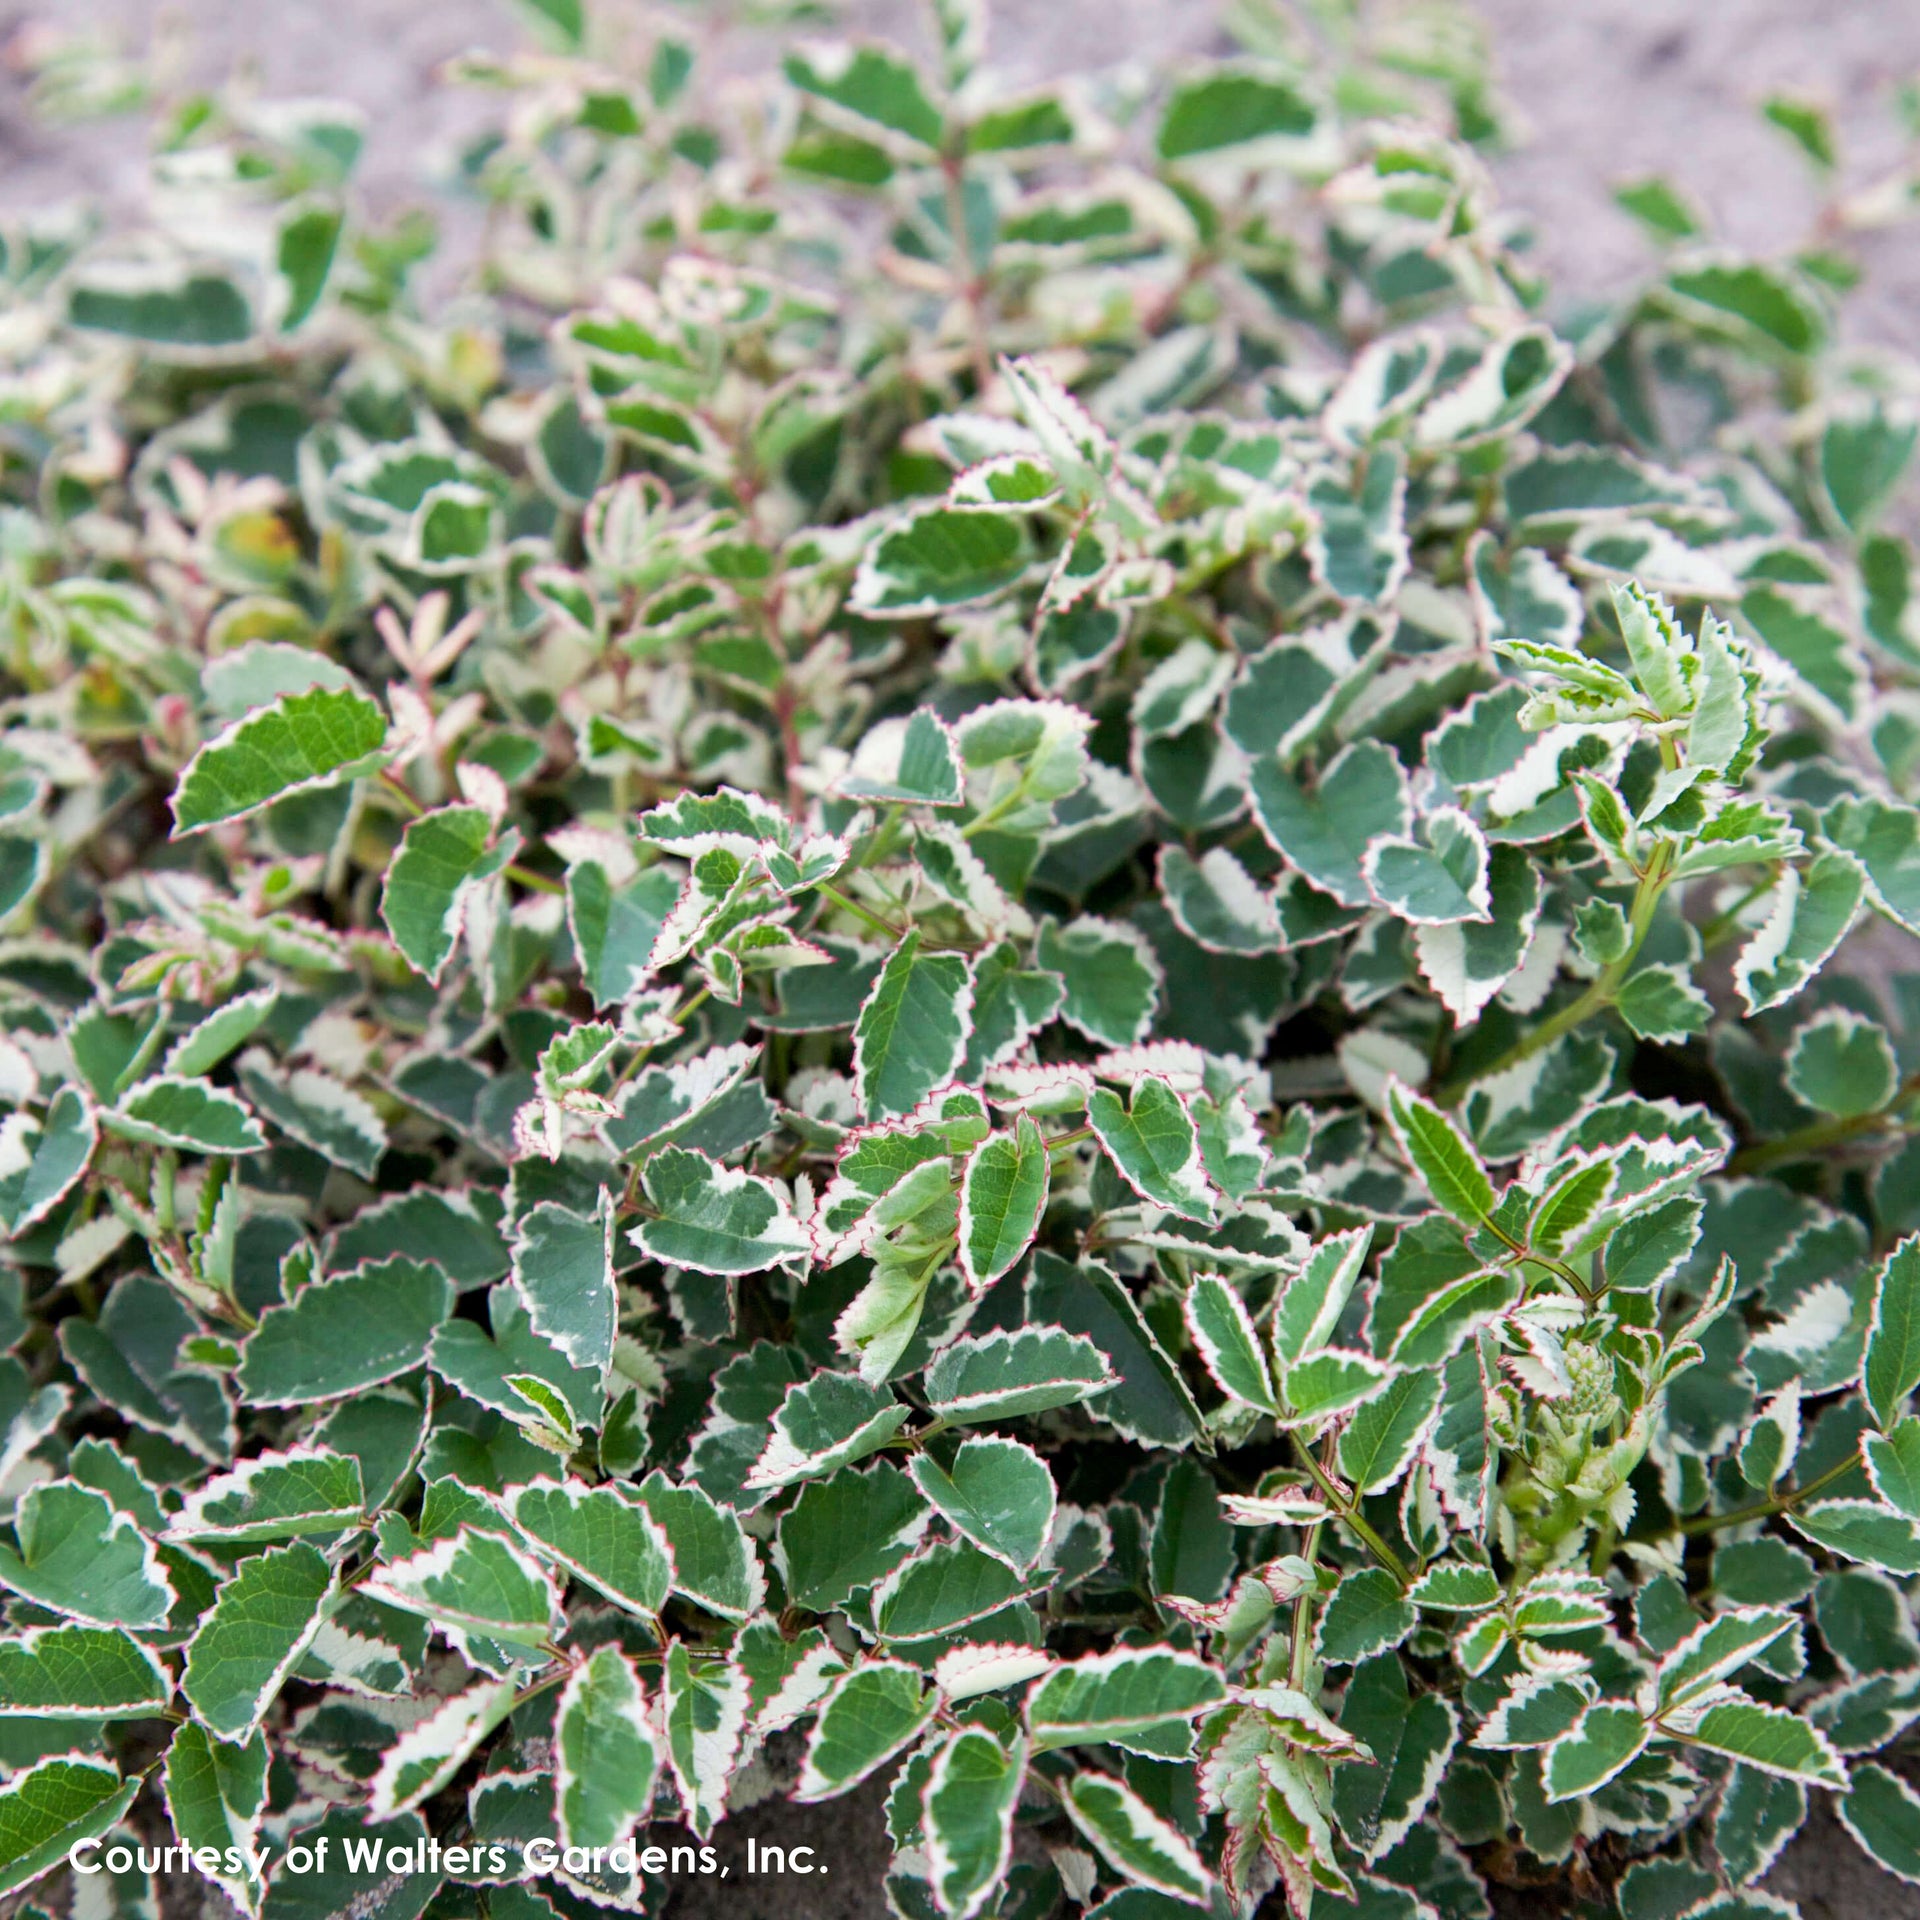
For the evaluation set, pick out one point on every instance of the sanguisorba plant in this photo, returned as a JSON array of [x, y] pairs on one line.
[[985, 951]]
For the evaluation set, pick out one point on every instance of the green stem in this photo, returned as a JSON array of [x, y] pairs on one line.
[[1820, 1136], [523, 876], [1347, 1507], [1724, 925], [847, 904], [1777, 1503], [968, 282], [1301, 1647], [1598, 996], [885, 836], [402, 792], [679, 1016]]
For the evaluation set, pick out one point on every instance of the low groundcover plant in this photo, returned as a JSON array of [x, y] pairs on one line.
[[987, 950]]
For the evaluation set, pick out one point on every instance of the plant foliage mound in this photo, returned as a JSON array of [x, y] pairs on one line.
[[987, 950]]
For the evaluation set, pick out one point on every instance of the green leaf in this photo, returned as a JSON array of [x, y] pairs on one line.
[[1538, 1708], [78, 1555], [495, 1372], [1236, 108], [165, 307], [1771, 1440], [301, 742], [615, 926], [945, 1586], [912, 1030], [706, 1715], [1324, 835], [443, 855], [369, 1888], [967, 1809], [1863, 457], [1313, 1300], [1841, 1064], [915, 762], [848, 1532], [260, 1625], [1467, 962], [604, 1756], [1439, 883], [1517, 374], [1716, 1650], [1607, 1738], [1410, 1739], [1378, 1444], [714, 1563], [81, 1673], [472, 1582], [1813, 908], [1215, 902], [202, 1049], [304, 249], [187, 1114], [1002, 1375], [872, 84], [1893, 1466], [826, 1423], [216, 1796], [275, 1496], [1769, 1739], [46, 1159], [340, 1335], [1659, 651], [318, 1111], [616, 1547], [1825, 661], [996, 1493], [1135, 1840], [1891, 1367], [1110, 974], [1224, 1336], [1437, 1151], [563, 1270], [1862, 1530], [1885, 838], [432, 1750], [1757, 1815], [941, 557], [1003, 1192], [1329, 1382], [1765, 305], [1151, 1401], [872, 1712], [1365, 1614], [1116, 1698], [50, 1807], [1883, 1814], [1662, 1004], [1456, 1587], [1010, 1004], [715, 1219], [1152, 1140]]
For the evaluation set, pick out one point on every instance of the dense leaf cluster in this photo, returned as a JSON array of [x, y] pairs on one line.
[[990, 949]]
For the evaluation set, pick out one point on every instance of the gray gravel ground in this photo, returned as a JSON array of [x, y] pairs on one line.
[[1608, 89]]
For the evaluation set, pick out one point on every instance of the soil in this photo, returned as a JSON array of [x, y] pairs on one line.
[[1610, 89]]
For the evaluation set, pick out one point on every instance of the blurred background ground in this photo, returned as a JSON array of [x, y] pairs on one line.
[[1606, 90]]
